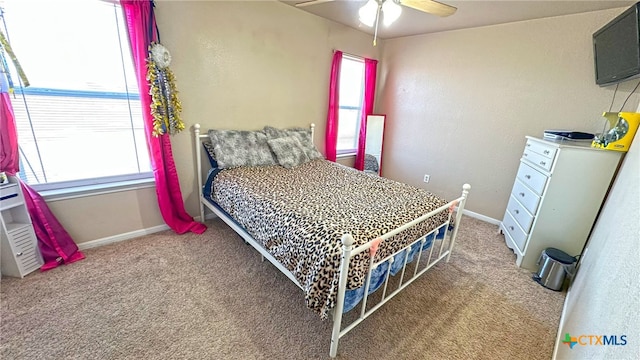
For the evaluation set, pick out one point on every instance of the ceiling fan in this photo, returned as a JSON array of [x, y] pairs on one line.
[[369, 14]]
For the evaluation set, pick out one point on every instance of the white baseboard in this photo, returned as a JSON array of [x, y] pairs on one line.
[[137, 233], [132, 234], [207, 216], [481, 217], [121, 237]]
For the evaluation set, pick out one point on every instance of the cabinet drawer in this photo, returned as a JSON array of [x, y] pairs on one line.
[[538, 160], [513, 229], [525, 196], [533, 178], [520, 214], [9, 196], [543, 149], [7, 190]]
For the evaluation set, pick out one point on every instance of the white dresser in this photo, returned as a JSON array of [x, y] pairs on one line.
[[19, 253], [556, 197]]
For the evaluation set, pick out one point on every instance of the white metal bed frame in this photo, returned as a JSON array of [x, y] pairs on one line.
[[349, 251]]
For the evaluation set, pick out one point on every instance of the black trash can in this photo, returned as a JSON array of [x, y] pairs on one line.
[[554, 265]]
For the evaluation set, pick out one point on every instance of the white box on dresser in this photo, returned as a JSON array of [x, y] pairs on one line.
[[556, 197], [19, 253]]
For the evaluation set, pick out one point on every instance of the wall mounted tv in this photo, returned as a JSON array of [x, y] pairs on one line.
[[616, 48]]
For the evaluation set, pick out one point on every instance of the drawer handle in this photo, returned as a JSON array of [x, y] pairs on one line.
[[527, 177], [543, 163], [521, 194], [546, 152], [528, 144], [512, 228], [516, 211], [19, 254]]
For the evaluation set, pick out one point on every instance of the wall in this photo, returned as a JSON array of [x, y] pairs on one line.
[[605, 296], [238, 65], [107, 215], [244, 65], [459, 103]]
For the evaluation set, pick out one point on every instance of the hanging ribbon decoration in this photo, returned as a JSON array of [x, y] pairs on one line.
[[165, 106], [4, 45]]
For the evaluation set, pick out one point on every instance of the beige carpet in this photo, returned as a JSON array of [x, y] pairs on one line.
[[165, 296]]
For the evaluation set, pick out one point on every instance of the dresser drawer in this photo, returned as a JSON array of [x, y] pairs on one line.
[[520, 214], [533, 178], [514, 231], [538, 160], [525, 196], [543, 149]]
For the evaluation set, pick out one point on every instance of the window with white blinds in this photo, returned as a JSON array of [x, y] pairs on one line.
[[80, 121], [351, 103]]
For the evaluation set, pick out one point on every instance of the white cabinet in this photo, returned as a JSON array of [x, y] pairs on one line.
[[557, 194], [19, 253]]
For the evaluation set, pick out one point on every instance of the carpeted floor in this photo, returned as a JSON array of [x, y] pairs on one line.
[[165, 296]]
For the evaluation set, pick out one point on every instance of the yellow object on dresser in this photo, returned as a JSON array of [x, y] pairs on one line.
[[623, 127]]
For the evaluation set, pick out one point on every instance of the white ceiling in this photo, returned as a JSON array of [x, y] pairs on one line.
[[470, 13]]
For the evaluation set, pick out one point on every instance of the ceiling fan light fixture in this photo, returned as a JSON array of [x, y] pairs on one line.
[[391, 11], [368, 13]]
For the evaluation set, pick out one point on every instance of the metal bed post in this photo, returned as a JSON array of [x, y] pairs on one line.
[[347, 247], [197, 142], [313, 129], [465, 193]]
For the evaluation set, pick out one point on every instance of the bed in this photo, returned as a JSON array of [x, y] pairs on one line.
[[338, 233]]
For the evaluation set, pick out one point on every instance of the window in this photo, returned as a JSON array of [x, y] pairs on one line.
[[351, 103], [80, 121]]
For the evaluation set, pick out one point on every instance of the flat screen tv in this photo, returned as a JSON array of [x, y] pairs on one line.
[[616, 48]]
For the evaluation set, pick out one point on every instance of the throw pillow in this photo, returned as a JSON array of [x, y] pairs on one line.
[[289, 151]]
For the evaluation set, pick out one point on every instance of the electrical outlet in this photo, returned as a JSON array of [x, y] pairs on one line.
[[426, 178]]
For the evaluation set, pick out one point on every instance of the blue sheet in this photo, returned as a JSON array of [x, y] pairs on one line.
[[353, 297]]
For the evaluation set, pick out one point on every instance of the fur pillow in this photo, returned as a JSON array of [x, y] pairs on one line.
[[303, 136], [289, 151], [234, 148]]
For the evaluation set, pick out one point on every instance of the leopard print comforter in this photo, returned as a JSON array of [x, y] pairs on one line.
[[299, 215]]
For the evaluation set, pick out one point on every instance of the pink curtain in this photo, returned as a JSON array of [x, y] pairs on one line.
[[141, 27], [331, 138], [55, 244], [8, 134], [370, 70]]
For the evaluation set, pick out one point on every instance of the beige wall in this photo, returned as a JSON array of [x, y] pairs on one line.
[[459, 103], [244, 65], [240, 65], [102, 216], [605, 296]]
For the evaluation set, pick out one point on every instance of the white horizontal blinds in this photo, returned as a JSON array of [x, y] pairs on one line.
[[81, 117], [351, 93], [78, 138]]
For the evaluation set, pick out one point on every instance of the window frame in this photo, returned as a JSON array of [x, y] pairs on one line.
[[354, 150], [102, 184]]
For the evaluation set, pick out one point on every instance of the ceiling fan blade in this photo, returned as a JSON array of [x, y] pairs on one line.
[[430, 6], [311, 2]]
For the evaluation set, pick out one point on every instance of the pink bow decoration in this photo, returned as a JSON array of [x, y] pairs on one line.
[[453, 206], [374, 247]]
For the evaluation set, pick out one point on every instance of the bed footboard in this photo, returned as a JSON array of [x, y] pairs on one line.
[[426, 257], [348, 251]]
